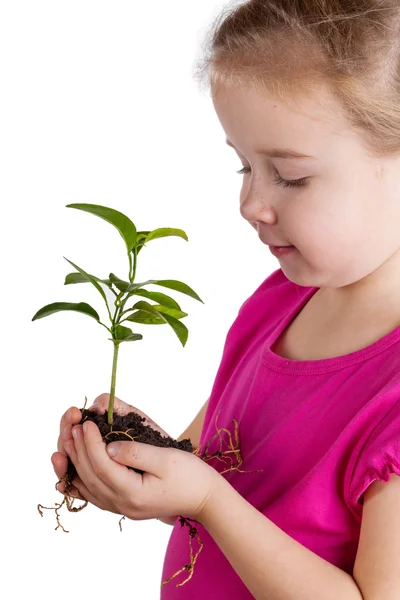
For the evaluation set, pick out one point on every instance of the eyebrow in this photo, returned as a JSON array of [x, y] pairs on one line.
[[278, 152]]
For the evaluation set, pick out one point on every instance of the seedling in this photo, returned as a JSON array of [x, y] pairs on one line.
[[166, 311]]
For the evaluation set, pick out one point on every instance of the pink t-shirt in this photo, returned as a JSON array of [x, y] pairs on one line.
[[321, 430]]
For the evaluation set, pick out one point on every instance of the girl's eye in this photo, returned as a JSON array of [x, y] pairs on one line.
[[279, 180]]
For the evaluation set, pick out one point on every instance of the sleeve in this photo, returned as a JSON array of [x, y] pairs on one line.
[[380, 455]]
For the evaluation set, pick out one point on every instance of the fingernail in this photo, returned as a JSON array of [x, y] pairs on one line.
[[75, 433], [113, 448]]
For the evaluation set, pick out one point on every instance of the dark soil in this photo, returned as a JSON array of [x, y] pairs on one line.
[[127, 428]]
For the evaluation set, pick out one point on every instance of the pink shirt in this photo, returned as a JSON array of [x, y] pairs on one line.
[[321, 430]]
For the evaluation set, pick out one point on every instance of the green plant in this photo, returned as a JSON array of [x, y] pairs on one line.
[[166, 311]]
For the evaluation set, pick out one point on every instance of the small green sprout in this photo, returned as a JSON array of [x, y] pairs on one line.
[[167, 310]]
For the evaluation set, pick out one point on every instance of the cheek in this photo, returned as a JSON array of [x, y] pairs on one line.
[[339, 234], [323, 226]]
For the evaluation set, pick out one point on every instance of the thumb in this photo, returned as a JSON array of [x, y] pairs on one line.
[[146, 457]]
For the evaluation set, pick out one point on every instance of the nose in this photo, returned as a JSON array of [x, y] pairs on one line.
[[255, 207]]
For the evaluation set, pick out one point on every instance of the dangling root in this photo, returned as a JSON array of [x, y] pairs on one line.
[[220, 455], [67, 500], [189, 567]]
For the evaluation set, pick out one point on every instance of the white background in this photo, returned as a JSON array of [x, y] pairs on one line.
[[99, 105]]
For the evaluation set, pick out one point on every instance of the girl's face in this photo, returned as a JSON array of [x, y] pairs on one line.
[[343, 213]]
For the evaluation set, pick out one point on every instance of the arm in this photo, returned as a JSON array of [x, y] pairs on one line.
[[193, 433], [271, 564]]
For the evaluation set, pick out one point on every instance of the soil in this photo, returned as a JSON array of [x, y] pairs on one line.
[[127, 428]]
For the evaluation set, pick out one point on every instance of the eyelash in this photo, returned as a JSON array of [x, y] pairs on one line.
[[279, 181]]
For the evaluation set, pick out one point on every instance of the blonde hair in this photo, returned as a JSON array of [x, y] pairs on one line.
[[287, 47]]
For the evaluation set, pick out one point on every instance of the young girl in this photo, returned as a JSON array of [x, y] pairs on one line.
[[308, 94]]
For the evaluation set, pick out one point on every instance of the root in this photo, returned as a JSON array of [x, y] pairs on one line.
[[232, 449], [189, 567], [56, 508], [67, 501], [222, 456], [122, 433]]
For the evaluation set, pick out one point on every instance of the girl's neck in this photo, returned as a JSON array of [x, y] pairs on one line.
[[380, 290]]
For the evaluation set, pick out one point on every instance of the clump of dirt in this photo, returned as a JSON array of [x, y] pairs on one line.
[[128, 427], [131, 427]]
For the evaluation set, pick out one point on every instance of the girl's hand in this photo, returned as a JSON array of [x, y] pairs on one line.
[[73, 416], [174, 482]]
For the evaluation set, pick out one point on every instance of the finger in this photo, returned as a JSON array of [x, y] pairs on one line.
[[92, 498], [71, 451], [87, 473], [76, 482], [60, 464], [148, 458], [72, 415], [116, 476], [79, 489], [64, 436]]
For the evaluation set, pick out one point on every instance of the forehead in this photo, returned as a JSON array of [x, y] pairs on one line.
[[252, 119]]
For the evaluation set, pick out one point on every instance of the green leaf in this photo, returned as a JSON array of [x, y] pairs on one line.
[[178, 286], [165, 232], [145, 236], [81, 307], [120, 284], [124, 334], [142, 234], [89, 278], [179, 328], [173, 312], [124, 225], [145, 318], [141, 240], [158, 297], [79, 278], [169, 283]]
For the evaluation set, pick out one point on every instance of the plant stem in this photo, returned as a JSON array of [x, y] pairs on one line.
[[119, 303], [113, 380], [132, 269], [108, 329]]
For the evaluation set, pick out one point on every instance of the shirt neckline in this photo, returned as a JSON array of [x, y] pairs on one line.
[[324, 365]]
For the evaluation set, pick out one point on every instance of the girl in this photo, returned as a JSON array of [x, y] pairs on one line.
[[308, 94]]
